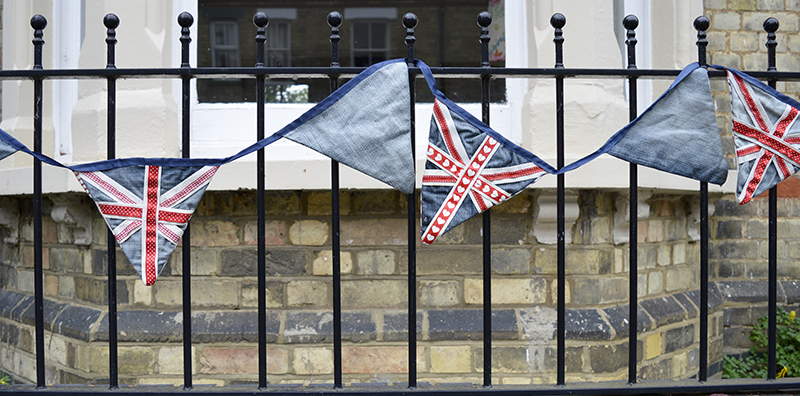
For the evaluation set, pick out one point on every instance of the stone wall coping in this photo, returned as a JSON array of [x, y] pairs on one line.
[[315, 326]]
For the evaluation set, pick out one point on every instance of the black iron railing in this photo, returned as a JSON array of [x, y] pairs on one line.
[[334, 73]]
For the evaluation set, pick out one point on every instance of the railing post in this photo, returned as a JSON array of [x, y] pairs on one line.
[[261, 21], [334, 21], [771, 26], [484, 20], [701, 24], [557, 21], [38, 24], [185, 20], [410, 22], [631, 22], [111, 23]]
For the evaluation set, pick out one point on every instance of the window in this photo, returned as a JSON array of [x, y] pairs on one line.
[[370, 42], [224, 43], [279, 44]]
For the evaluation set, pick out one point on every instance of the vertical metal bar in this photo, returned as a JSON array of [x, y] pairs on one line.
[[38, 23], [771, 26], [701, 24], [557, 21], [410, 22], [630, 23], [111, 23], [185, 20], [484, 20], [261, 21], [334, 21]]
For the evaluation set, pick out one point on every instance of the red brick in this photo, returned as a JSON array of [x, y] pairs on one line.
[[275, 232], [51, 285], [383, 231], [389, 359], [789, 188], [229, 361], [215, 233], [242, 361], [27, 257], [49, 233]]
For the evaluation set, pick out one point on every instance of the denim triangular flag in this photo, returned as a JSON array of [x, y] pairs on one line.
[[147, 207], [470, 167], [467, 172], [765, 133], [365, 125], [678, 133], [9, 145]]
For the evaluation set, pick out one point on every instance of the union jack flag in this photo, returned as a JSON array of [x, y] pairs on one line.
[[467, 172], [766, 137], [147, 208]]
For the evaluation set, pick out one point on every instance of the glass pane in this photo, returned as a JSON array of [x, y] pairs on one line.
[[220, 34], [226, 58], [278, 36], [360, 35], [378, 35]]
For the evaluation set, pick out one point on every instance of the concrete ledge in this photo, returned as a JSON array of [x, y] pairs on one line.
[[62, 318], [315, 326]]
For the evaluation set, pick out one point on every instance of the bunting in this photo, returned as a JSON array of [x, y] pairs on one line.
[[148, 202], [467, 172], [147, 209], [678, 133], [469, 168], [765, 133]]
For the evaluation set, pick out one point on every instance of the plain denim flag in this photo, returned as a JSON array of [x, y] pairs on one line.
[[9, 145], [678, 133], [366, 125]]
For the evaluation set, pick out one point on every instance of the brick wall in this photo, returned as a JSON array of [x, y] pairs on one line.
[[374, 294], [739, 250]]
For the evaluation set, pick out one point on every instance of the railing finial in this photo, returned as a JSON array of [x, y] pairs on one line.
[[558, 21], [410, 22], [771, 26], [185, 20], [111, 22], [261, 20], [334, 21], [38, 23], [484, 20], [701, 24], [631, 22]]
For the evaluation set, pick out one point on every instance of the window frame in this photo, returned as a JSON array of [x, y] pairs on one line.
[[273, 24], [228, 47], [370, 50]]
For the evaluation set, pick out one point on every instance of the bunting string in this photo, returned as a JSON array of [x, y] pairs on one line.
[[470, 167]]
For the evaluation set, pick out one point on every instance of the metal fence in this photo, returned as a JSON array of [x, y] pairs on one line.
[[484, 72]]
